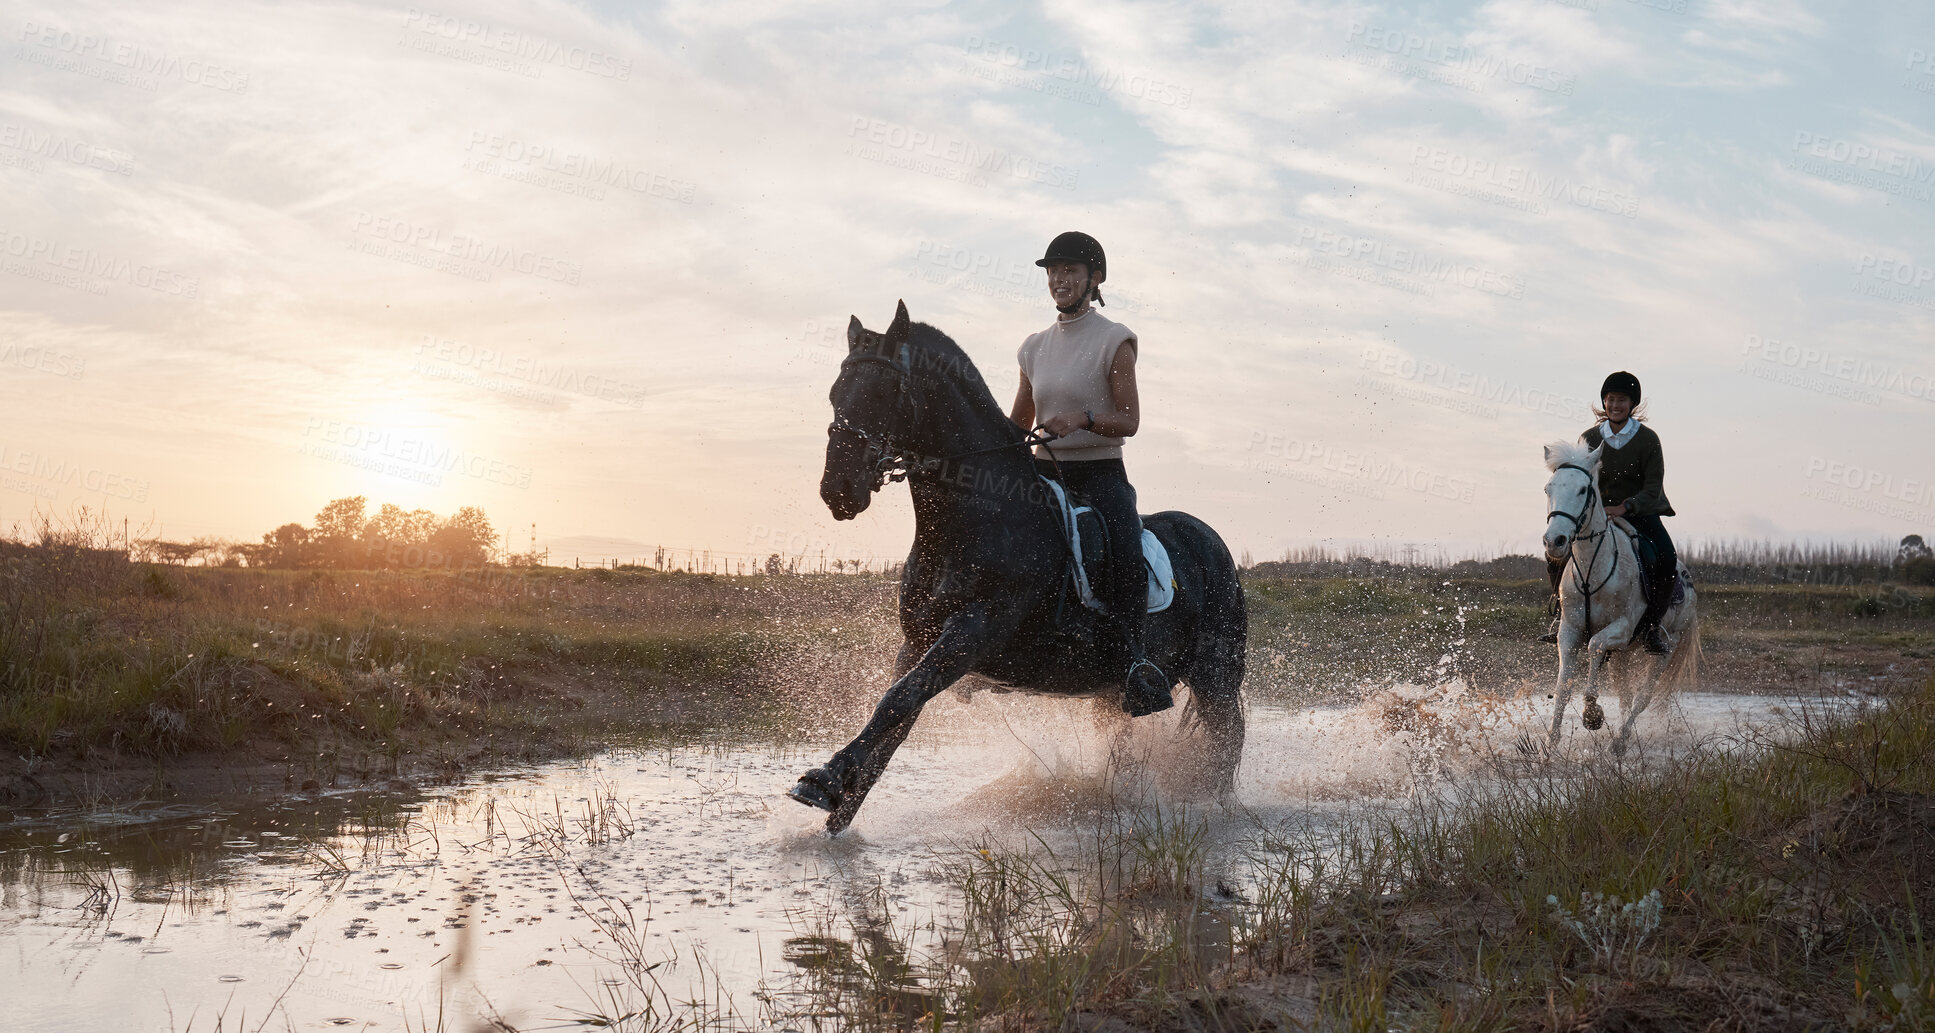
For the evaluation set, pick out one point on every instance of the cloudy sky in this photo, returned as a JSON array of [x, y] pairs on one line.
[[589, 267]]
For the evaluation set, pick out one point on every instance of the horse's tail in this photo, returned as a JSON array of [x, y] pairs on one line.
[[1683, 667], [1218, 654]]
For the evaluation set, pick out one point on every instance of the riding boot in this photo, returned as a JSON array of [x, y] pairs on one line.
[[1554, 569], [1648, 632], [1145, 688]]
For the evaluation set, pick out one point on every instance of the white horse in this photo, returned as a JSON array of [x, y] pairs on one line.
[[1600, 602]]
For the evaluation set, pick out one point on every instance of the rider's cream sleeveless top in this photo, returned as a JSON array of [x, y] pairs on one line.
[[1067, 365]]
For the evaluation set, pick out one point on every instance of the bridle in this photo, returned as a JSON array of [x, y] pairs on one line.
[[898, 462], [1591, 493], [1583, 579]]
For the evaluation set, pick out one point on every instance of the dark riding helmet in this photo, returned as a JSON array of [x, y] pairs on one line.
[[1074, 246], [1077, 247], [1624, 383]]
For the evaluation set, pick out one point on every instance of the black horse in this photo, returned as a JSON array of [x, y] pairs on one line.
[[984, 588]]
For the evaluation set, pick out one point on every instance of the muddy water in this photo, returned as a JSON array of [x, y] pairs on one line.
[[364, 911]]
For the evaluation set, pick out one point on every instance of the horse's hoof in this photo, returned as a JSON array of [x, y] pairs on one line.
[[815, 789], [1592, 717]]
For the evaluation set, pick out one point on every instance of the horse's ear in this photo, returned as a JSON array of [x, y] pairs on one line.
[[1549, 464], [898, 330], [1598, 453], [854, 330]]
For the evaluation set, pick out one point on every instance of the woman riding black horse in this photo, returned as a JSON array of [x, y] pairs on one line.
[[1632, 470], [1078, 384], [985, 583]]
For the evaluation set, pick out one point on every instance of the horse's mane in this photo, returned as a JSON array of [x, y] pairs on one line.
[[936, 353], [1559, 453]]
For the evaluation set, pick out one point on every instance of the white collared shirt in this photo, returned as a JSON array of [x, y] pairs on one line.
[[1611, 440]]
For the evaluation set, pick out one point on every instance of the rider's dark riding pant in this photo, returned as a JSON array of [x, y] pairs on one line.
[[1124, 587], [1666, 562]]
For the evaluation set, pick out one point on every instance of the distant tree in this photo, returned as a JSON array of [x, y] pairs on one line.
[[216, 552], [396, 537], [342, 518], [1916, 560], [465, 540], [170, 552], [286, 546], [346, 538], [338, 534]]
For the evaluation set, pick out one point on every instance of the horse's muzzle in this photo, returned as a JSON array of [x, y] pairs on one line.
[[843, 498]]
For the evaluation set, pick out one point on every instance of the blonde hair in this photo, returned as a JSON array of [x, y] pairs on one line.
[[1638, 413]]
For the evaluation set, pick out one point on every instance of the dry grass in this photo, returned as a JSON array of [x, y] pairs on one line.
[[150, 661]]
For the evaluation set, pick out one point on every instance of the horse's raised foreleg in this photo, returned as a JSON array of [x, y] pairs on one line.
[[842, 785]]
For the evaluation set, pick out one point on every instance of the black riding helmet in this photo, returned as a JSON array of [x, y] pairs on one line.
[[1624, 383], [1074, 246]]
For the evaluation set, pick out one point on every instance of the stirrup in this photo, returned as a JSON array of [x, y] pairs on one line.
[[1651, 641], [1140, 698]]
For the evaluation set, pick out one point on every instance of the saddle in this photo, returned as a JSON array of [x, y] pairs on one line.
[[1088, 545], [1649, 561]]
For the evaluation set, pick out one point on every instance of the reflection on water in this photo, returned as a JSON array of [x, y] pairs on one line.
[[547, 895]]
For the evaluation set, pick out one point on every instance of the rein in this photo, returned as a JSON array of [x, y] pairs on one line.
[[898, 463]]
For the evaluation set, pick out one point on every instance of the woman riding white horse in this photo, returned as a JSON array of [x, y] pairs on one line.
[[1632, 475], [1604, 607]]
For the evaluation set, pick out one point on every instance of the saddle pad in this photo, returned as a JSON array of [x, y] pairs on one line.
[[1155, 558]]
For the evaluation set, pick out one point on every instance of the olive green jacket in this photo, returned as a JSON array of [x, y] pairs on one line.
[[1634, 474]]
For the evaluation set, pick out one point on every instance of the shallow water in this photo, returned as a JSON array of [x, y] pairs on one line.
[[361, 911]]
